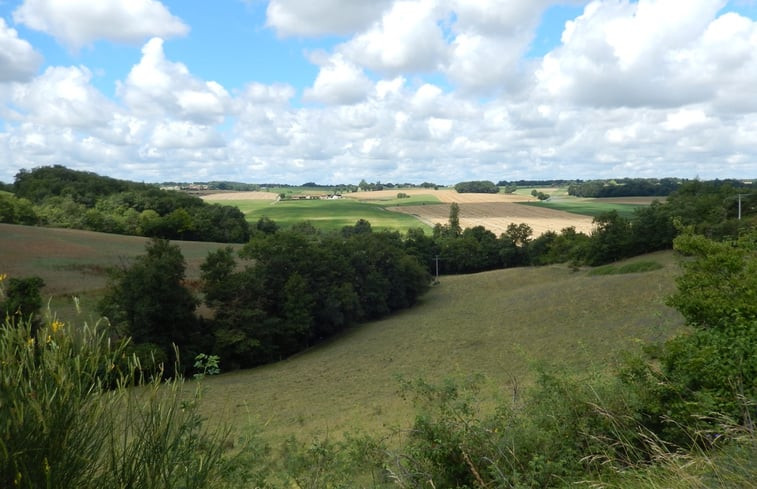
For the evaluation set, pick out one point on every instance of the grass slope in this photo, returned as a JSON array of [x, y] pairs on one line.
[[496, 324], [74, 262]]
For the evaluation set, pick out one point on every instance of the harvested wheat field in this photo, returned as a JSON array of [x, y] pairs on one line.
[[445, 195], [496, 216], [242, 196]]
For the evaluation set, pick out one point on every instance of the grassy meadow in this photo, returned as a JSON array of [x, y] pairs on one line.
[[496, 324]]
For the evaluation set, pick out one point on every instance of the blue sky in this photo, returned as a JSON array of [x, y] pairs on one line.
[[391, 90]]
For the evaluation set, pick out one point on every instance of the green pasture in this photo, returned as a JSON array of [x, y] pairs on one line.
[[586, 207], [497, 324], [330, 215]]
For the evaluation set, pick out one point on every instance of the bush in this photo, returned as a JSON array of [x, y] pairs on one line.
[[69, 418]]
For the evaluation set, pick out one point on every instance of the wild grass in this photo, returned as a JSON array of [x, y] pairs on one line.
[[75, 413], [631, 267], [497, 324]]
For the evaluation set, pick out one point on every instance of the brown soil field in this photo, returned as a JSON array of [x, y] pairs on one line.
[[445, 195], [496, 216], [71, 261]]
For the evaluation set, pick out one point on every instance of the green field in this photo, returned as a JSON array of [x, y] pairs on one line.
[[332, 215], [587, 207]]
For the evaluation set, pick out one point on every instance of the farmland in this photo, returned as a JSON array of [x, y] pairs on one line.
[[423, 207]]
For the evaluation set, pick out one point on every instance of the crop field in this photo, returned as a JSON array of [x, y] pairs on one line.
[[495, 324], [588, 207], [496, 216], [424, 207]]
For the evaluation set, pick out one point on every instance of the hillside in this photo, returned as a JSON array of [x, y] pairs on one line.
[[72, 261], [496, 323]]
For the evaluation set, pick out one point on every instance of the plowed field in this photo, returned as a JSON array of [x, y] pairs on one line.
[[496, 216], [242, 196]]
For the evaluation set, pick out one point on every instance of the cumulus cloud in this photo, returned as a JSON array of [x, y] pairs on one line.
[[18, 59], [157, 86], [407, 38], [308, 18], [62, 97], [77, 23], [338, 82], [633, 54], [420, 90]]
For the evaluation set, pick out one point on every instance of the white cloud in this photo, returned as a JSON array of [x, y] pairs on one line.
[[18, 59], [407, 38], [77, 23], [434, 90], [339, 82], [632, 54], [159, 87], [183, 134], [309, 18], [63, 97]]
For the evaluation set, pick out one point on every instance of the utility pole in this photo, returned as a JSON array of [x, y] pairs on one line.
[[740, 206], [436, 259]]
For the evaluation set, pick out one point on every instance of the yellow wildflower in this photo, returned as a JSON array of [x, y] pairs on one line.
[[3, 276], [30, 342], [56, 325]]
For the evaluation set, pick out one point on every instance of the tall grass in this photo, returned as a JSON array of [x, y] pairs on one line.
[[74, 412]]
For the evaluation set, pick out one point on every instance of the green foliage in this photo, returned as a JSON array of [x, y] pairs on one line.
[[477, 186], [148, 301], [14, 210], [20, 297], [539, 195], [625, 187], [84, 200], [206, 365], [69, 418], [720, 283], [297, 287]]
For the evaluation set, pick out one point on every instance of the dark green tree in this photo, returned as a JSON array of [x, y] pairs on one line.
[[21, 299], [148, 301]]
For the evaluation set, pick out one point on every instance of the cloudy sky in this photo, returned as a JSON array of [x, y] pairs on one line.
[[334, 91]]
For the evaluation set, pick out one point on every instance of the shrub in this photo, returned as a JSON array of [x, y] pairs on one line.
[[69, 418]]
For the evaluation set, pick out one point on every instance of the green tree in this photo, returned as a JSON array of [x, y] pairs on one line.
[[149, 302], [21, 299]]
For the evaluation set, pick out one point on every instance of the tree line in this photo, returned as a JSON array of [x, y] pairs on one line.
[[284, 291], [60, 197]]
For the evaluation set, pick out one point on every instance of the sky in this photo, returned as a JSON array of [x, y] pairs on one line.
[[335, 91]]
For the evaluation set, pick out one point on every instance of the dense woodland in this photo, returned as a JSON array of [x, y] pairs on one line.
[[59, 197]]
